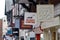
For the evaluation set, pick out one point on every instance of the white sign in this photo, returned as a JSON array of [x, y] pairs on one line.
[[15, 32], [55, 22], [37, 30], [45, 12], [30, 18]]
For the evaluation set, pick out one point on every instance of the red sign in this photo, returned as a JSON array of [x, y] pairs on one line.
[[23, 26], [30, 20]]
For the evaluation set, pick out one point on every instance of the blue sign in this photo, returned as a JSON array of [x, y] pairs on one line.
[[9, 32]]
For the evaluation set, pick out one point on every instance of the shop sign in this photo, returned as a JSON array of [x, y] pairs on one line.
[[23, 26], [15, 31], [30, 18], [37, 30], [45, 12], [55, 22]]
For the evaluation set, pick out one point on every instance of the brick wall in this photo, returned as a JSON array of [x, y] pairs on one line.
[[0, 23], [1, 29]]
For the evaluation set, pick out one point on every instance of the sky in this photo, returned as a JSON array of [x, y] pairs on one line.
[[2, 8]]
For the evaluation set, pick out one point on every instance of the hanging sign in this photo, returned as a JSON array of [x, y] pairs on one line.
[[30, 18], [45, 12]]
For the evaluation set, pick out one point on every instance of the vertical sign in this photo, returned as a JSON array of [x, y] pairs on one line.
[[17, 22]]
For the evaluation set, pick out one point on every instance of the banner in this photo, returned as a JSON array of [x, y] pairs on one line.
[[30, 18]]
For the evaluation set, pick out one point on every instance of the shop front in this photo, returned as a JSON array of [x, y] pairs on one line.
[[51, 29]]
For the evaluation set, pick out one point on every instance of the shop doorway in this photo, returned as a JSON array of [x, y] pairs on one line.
[[37, 36], [54, 36]]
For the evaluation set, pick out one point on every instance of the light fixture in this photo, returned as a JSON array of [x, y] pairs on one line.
[[26, 34], [59, 30]]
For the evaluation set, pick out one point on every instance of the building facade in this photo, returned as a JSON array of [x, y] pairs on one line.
[[15, 14], [52, 28]]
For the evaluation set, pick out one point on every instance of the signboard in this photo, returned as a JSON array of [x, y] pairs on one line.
[[23, 26], [38, 30], [30, 18], [45, 12], [15, 31], [17, 22], [51, 23]]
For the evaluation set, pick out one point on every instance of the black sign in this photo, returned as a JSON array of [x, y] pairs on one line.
[[15, 31]]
